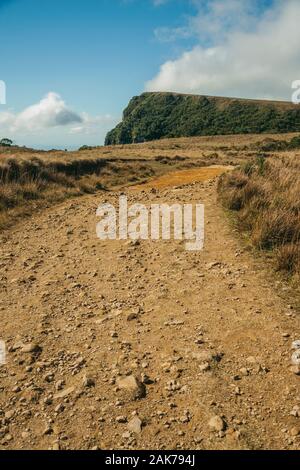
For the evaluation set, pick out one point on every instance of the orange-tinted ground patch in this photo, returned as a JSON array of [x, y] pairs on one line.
[[178, 178]]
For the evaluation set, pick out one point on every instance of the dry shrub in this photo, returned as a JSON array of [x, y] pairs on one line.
[[266, 198], [238, 190], [28, 182], [288, 257]]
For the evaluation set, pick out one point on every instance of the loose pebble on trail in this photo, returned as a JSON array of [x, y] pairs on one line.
[[143, 345]]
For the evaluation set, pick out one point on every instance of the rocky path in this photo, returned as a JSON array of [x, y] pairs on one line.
[[123, 345]]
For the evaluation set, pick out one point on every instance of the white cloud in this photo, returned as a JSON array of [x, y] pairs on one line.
[[51, 121], [258, 61], [51, 111]]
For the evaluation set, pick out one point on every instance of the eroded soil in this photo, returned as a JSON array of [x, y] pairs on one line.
[[207, 333]]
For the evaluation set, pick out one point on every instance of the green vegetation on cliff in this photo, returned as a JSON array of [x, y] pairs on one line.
[[152, 116]]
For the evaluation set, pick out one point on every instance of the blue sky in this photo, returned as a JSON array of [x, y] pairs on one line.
[[88, 58]]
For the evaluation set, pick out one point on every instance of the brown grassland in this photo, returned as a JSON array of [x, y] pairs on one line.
[[266, 198], [263, 191]]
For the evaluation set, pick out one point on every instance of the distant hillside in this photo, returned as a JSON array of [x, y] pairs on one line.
[[152, 116]]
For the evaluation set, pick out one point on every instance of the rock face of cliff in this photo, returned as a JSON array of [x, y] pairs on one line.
[[152, 116]]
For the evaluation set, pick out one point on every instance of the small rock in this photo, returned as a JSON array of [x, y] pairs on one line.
[[9, 414], [59, 408], [132, 385], [204, 367], [47, 431], [146, 379], [217, 424], [135, 425], [132, 316], [121, 419], [64, 393], [88, 382], [49, 377], [295, 431], [31, 348], [59, 385], [296, 411], [296, 344], [296, 358]]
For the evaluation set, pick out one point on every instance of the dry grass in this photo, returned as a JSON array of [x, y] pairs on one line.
[[31, 180], [266, 196], [31, 183]]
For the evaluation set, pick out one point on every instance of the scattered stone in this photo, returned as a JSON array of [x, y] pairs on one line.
[[31, 348], [17, 345], [135, 425], [121, 419], [296, 344], [295, 431], [174, 323], [217, 424], [204, 367], [296, 358], [207, 356], [88, 382], [47, 431], [296, 411], [213, 265], [59, 408], [132, 316], [49, 377], [9, 414], [146, 380], [133, 386], [59, 385], [64, 393]]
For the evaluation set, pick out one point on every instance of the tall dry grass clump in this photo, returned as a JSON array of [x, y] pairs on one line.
[[29, 182], [266, 197]]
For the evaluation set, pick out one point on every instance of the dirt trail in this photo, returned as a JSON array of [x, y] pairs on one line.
[[209, 333], [180, 177]]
